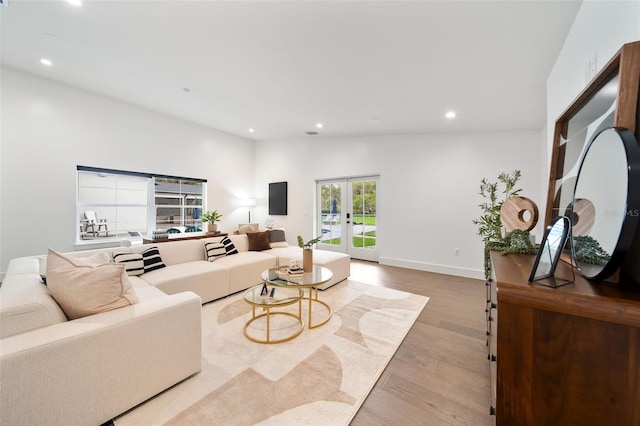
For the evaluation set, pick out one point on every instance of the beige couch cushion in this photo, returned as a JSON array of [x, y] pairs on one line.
[[208, 280], [23, 265], [87, 286], [25, 304], [245, 269]]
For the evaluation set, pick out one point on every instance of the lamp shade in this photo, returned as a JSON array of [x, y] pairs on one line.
[[248, 202]]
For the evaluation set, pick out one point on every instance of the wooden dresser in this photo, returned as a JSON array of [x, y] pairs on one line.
[[561, 356], [184, 236]]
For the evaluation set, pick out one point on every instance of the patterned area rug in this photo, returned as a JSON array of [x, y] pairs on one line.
[[319, 378]]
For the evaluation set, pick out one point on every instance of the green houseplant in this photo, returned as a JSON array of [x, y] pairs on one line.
[[307, 252], [490, 225], [211, 217], [308, 244]]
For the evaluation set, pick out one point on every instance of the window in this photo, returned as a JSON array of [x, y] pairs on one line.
[[116, 204], [178, 204]]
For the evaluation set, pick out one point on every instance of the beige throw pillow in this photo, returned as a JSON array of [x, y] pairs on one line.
[[246, 228], [87, 286]]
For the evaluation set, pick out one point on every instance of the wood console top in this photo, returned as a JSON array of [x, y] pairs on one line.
[[183, 237], [617, 303]]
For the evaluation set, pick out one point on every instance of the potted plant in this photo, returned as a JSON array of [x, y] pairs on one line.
[[211, 218], [490, 225], [307, 252]]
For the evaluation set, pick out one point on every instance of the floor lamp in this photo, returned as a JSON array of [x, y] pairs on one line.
[[249, 202]]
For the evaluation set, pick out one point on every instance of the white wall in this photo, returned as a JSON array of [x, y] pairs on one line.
[[428, 191], [49, 128], [599, 30]]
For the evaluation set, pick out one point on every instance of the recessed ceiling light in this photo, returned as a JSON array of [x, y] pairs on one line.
[[319, 125], [251, 130], [450, 114], [45, 61], [75, 2]]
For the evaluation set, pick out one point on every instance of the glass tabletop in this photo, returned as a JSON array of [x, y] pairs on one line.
[[273, 296], [277, 276]]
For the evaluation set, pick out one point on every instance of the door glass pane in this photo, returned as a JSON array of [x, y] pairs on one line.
[[363, 195], [331, 208]]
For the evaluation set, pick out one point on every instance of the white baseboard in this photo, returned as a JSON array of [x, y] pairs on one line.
[[431, 267]]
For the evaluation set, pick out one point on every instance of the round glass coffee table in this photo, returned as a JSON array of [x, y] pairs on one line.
[[309, 280], [265, 297]]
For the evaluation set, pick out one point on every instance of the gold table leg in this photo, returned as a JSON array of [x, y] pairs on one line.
[[315, 299], [267, 313]]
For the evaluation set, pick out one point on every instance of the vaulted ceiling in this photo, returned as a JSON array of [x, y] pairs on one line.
[[280, 67]]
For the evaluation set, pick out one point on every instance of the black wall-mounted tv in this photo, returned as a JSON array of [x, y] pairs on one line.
[[278, 198]]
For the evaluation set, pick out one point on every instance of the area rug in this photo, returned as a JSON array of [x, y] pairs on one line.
[[322, 377]]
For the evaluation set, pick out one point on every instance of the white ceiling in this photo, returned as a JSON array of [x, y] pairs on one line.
[[359, 67]]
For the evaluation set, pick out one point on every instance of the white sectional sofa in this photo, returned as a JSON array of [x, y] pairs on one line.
[[89, 370]]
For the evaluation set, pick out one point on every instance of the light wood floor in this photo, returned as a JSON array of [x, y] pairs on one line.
[[440, 373]]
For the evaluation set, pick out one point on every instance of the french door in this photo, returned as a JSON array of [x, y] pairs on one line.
[[347, 218]]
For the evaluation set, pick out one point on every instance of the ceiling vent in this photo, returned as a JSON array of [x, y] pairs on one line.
[[311, 133]]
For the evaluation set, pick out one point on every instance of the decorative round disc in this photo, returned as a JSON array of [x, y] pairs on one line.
[[519, 213], [584, 216]]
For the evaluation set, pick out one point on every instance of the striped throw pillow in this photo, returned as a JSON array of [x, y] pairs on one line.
[[214, 250], [133, 262], [152, 259], [228, 246]]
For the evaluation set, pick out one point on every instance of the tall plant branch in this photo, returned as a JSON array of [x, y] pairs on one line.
[[489, 223]]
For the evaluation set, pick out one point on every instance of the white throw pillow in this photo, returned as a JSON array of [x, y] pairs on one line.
[[87, 286]]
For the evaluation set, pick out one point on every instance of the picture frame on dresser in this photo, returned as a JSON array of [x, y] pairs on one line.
[[554, 241]]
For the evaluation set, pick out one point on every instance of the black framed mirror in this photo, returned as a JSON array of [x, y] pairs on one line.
[[551, 247], [611, 99], [606, 203]]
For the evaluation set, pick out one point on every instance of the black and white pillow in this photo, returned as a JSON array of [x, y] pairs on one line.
[[214, 250], [228, 246], [277, 238], [152, 259], [133, 262]]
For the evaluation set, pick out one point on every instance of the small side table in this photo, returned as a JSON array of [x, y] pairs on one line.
[[309, 280], [282, 297]]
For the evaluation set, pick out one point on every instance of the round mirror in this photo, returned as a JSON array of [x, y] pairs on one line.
[[607, 197]]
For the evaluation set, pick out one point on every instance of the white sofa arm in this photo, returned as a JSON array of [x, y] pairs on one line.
[[87, 371]]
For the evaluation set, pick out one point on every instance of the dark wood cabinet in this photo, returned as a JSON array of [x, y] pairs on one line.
[[562, 356], [184, 236]]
